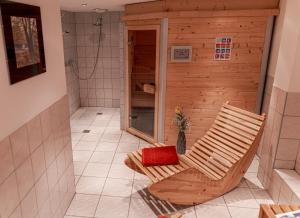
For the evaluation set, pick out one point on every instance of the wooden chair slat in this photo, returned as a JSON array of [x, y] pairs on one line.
[[277, 209], [152, 170], [205, 172], [295, 207], [229, 138], [159, 169], [232, 134], [239, 121], [221, 151], [246, 113], [228, 148], [217, 160], [241, 116], [216, 156], [211, 165], [202, 146], [145, 170], [226, 142], [176, 168], [236, 130], [237, 125], [285, 208], [204, 168]]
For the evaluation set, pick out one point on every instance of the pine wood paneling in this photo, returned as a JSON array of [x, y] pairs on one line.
[[203, 85], [198, 5]]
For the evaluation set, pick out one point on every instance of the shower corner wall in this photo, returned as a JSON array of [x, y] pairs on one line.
[[70, 53], [103, 88], [122, 76]]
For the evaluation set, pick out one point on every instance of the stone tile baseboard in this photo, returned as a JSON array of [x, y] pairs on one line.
[[36, 166]]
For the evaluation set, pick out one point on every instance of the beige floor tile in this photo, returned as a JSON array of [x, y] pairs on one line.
[[262, 196], [252, 181], [79, 168], [127, 147], [91, 137], [239, 212], [85, 146], [90, 185], [217, 201], [114, 138], [96, 170], [120, 171], [241, 197], [212, 211], [139, 208], [115, 207], [189, 212], [139, 176], [117, 187], [119, 158], [128, 138], [83, 205], [102, 157], [107, 146], [139, 188], [82, 156]]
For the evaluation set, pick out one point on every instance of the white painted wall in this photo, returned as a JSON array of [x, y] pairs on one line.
[[21, 102], [285, 55]]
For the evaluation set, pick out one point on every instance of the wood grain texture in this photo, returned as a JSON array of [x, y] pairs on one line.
[[198, 5], [270, 211], [203, 85], [214, 166]]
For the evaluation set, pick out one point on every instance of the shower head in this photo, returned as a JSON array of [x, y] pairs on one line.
[[100, 10], [99, 19]]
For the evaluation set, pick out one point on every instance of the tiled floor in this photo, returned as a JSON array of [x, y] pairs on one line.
[[106, 188]]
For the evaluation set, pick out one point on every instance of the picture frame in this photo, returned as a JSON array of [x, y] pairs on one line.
[[181, 54], [23, 36]]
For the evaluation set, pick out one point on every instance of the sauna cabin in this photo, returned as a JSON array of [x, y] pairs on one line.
[[196, 54]]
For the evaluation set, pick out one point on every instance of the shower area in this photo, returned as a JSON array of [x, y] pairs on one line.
[[93, 49]]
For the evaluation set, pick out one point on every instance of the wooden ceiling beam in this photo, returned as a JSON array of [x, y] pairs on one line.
[[199, 14]]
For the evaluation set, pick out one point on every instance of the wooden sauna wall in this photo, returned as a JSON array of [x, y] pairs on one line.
[[196, 5], [203, 85], [143, 70]]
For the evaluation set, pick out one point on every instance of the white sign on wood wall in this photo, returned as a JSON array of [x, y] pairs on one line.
[[181, 53]]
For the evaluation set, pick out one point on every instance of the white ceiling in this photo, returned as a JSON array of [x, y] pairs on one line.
[[112, 5]]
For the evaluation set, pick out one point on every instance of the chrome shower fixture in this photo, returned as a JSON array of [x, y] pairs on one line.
[[98, 21], [100, 10]]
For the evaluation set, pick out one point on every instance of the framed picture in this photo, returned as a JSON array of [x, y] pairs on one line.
[[181, 53], [23, 36]]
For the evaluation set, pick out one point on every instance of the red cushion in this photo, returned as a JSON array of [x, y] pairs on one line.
[[159, 156]]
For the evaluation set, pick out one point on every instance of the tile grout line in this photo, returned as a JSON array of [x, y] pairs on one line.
[[109, 167]]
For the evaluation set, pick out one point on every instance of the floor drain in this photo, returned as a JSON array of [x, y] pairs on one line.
[[86, 131], [99, 113]]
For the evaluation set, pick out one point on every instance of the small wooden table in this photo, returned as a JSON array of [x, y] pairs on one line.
[[269, 211]]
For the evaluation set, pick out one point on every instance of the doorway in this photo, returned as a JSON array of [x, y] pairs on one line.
[[142, 81]]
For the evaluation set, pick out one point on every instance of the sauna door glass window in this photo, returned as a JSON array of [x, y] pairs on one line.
[[142, 75]]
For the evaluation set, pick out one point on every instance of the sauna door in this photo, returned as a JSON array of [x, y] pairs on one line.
[[143, 58]]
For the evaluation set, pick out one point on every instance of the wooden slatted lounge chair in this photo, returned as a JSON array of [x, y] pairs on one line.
[[270, 211], [215, 164]]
